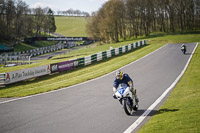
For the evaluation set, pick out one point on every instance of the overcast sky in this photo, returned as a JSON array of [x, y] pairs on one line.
[[63, 5]]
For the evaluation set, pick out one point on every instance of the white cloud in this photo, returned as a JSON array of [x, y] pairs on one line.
[[98, 0], [42, 5], [55, 5]]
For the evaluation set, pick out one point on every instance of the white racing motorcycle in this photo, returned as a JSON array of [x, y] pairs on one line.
[[125, 97]]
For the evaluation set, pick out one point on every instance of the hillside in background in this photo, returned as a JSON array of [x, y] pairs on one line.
[[66, 26], [71, 26]]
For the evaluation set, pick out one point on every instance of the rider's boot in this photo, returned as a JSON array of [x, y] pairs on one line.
[[135, 95]]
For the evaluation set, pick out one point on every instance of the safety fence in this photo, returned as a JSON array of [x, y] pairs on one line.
[[24, 74], [25, 55]]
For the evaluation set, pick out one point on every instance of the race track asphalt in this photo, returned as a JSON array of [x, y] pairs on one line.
[[89, 107]]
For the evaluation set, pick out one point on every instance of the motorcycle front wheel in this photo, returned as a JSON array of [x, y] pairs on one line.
[[127, 107]]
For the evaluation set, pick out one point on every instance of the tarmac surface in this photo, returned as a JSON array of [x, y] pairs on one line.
[[89, 107]]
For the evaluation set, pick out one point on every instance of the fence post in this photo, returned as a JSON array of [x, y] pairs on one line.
[[120, 50], [2, 79], [81, 61], [112, 52], [104, 54], [93, 58], [99, 56], [88, 60]]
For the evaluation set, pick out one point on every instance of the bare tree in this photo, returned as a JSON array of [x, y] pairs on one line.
[[10, 15], [2, 19], [21, 14]]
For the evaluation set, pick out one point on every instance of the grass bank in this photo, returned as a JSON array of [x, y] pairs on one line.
[[38, 44], [71, 26]]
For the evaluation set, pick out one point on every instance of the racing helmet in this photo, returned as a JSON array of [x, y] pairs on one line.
[[119, 74]]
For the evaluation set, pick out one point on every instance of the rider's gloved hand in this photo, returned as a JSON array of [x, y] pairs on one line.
[[114, 89], [114, 96]]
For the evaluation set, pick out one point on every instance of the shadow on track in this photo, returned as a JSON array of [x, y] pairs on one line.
[[154, 112]]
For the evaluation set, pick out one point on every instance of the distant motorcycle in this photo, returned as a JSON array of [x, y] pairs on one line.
[[183, 48], [124, 95]]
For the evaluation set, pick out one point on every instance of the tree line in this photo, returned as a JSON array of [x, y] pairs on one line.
[[72, 12], [17, 20], [132, 18]]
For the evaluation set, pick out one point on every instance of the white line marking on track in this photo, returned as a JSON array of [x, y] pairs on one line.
[[143, 116], [11, 100]]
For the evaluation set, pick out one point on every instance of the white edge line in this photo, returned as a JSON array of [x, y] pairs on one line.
[[145, 114], [11, 100]]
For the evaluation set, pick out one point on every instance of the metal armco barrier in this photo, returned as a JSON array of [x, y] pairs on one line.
[[24, 74]]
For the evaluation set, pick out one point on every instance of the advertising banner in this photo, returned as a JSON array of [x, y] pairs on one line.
[[63, 66], [58, 38], [19, 75]]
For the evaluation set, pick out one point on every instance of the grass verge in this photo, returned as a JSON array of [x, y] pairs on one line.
[[180, 112], [71, 26]]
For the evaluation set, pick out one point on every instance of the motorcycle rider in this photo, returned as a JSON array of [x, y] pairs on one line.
[[183, 48], [124, 78]]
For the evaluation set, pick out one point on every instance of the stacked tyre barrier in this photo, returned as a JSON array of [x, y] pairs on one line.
[[24, 74]]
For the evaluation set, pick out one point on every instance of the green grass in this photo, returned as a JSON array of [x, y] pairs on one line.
[[38, 44], [180, 113], [23, 47], [71, 26]]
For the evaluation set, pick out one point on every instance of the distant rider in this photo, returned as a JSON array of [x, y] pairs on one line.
[[183, 48], [124, 78]]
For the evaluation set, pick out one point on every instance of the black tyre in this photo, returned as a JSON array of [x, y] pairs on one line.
[[127, 108], [135, 108]]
